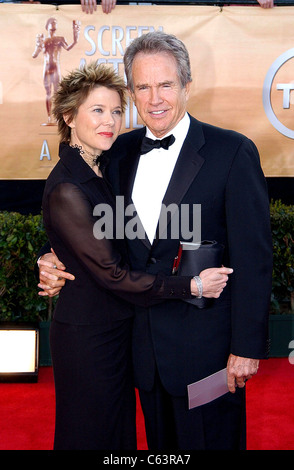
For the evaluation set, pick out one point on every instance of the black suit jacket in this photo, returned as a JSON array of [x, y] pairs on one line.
[[220, 170]]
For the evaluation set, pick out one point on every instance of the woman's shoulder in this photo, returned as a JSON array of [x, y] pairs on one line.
[[59, 178]]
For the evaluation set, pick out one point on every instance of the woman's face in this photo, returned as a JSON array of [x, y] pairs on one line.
[[98, 120]]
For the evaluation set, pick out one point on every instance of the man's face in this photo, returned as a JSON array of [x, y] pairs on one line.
[[158, 94]]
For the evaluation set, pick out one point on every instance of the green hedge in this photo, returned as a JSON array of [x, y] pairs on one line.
[[282, 223], [21, 237]]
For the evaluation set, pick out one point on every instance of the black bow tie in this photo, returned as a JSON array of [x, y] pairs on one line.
[[150, 144]]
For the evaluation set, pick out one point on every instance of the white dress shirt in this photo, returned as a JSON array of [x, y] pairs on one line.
[[154, 172]]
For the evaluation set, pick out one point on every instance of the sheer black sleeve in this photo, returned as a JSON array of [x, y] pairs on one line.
[[71, 218], [44, 249]]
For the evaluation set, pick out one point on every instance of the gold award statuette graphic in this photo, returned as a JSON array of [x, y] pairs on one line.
[[51, 48]]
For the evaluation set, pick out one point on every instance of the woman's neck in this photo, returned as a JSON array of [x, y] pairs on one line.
[[91, 159]]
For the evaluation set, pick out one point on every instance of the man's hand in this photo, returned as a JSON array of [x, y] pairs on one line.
[[52, 275], [240, 369]]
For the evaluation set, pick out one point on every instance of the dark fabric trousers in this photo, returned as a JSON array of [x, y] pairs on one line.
[[170, 425], [95, 396]]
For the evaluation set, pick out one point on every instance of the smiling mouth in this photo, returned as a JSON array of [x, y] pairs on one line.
[[158, 113], [106, 134]]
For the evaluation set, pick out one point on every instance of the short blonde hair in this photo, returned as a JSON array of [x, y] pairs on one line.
[[75, 88]]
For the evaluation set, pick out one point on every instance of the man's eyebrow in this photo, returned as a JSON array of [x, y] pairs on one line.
[[165, 82]]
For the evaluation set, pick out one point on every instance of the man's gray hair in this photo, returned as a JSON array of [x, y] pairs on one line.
[[156, 42]]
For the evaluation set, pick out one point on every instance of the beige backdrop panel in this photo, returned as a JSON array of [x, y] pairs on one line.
[[232, 51]]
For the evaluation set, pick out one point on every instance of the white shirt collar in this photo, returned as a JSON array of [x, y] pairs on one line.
[[179, 131], [159, 171]]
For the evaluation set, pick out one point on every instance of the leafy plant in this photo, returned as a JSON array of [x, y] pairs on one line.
[[282, 223], [21, 237]]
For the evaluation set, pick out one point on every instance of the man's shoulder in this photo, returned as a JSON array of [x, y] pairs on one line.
[[212, 131], [131, 136], [126, 142]]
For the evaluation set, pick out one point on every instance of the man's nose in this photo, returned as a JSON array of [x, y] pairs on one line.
[[155, 96]]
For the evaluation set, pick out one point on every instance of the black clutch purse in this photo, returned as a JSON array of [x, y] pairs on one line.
[[192, 258]]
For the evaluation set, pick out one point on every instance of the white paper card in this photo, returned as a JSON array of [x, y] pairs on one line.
[[207, 389]]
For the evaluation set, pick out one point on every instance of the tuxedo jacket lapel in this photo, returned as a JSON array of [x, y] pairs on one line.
[[128, 169]]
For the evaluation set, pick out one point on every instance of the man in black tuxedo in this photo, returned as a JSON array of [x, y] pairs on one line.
[[174, 343]]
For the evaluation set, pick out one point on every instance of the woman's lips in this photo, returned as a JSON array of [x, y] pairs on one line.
[[106, 134]]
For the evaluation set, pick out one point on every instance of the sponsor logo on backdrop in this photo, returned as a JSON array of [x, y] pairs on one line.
[[277, 113]]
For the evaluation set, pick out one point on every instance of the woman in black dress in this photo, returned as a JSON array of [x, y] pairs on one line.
[[91, 330]]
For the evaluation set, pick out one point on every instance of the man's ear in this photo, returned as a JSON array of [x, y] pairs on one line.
[[188, 87]]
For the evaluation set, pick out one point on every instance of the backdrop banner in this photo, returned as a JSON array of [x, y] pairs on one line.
[[242, 62]]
